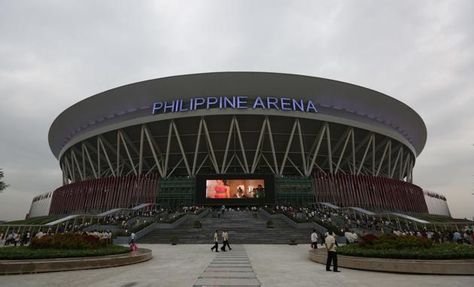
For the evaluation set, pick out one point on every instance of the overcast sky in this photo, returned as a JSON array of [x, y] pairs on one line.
[[55, 53]]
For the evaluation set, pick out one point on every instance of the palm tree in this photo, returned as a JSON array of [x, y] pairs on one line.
[[3, 185]]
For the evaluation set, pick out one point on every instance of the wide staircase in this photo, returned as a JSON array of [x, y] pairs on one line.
[[244, 227]]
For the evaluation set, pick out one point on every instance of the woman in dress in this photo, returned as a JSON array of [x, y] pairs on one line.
[[221, 189]]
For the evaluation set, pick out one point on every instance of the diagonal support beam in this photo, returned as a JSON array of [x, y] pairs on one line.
[[288, 146], [152, 144], [369, 144], [259, 146], [196, 150], [101, 145], [319, 139], [180, 144], [272, 146], [348, 137], [132, 164], [210, 148], [242, 148], [86, 150]]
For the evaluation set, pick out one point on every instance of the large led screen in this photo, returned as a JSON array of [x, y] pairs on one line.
[[235, 188]]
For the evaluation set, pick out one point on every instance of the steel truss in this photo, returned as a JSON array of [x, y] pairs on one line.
[[237, 144]]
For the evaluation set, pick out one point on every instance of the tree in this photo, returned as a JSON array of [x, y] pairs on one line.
[[3, 185]]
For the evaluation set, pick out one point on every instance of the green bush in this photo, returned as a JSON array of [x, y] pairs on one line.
[[68, 241], [16, 253], [437, 251], [390, 241]]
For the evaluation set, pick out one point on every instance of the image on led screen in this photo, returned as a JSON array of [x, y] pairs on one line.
[[235, 188]]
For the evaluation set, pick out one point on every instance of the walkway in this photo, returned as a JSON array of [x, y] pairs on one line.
[[274, 265], [232, 268]]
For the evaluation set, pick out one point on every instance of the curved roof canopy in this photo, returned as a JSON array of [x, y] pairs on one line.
[[335, 101]]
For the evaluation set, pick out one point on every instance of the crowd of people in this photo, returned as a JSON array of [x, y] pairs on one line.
[[102, 227], [353, 225]]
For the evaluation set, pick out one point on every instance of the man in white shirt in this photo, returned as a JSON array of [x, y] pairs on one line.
[[225, 240], [216, 242], [330, 243], [314, 239]]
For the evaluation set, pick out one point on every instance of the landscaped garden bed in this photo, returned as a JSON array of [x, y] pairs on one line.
[[406, 247], [62, 246], [65, 252], [16, 253], [404, 254]]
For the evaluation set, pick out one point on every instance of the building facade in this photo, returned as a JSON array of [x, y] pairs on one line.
[[321, 140]]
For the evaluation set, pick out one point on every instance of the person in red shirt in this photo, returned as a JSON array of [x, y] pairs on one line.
[[221, 189]]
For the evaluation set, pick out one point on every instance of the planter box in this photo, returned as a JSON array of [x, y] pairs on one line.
[[415, 266]]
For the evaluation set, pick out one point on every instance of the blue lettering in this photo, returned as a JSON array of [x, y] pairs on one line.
[[181, 109], [310, 107], [198, 102], [299, 104], [272, 103], [285, 104], [242, 102], [234, 102], [157, 107], [210, 101], [231, 103], [258, 104], [168, 106]]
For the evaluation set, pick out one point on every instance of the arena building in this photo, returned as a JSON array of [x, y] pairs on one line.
[[238, 138]]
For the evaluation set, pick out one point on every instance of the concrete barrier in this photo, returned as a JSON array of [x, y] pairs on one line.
[[75, 263], [415, 266]]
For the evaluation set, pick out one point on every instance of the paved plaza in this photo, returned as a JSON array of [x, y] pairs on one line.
[[245, 265]]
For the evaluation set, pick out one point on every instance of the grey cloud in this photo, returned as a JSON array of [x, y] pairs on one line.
[[55, 53]]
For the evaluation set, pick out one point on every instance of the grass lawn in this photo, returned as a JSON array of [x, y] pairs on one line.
[[10, 253]]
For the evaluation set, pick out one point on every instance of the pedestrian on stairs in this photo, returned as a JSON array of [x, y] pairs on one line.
[[216, 242]]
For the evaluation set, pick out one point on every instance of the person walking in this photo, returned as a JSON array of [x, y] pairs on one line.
[[314, 239], [216, 242], [331, 245], [225, 240]]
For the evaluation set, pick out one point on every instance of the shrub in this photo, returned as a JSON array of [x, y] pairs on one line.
[[390, 241], [24, 252], [68, 241], [437, 251], [367, 240]]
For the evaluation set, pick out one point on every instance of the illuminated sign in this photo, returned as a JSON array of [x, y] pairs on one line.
[[234, 102]]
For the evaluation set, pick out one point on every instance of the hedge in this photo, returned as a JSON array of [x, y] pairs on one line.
[[12, 253], [437, 251], [68, 241]]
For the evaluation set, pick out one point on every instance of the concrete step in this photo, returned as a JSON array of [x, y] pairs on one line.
[[242, 226]]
